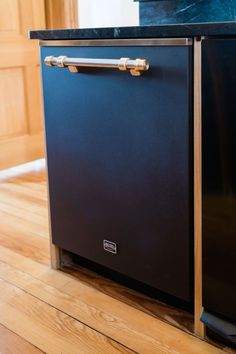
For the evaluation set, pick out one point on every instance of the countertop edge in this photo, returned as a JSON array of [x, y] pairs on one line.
[[160, 31]]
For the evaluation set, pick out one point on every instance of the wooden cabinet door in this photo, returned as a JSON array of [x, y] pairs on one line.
[[21, 124]]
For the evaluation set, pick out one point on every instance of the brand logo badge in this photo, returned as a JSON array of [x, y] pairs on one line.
[[110, 246]]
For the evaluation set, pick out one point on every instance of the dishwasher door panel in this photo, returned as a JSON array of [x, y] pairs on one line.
[[119, 151]]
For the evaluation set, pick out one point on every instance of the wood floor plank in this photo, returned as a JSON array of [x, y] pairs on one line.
[[11, 343], [30, 185], [10, 223], [32, 176], [27, 215], [22, 189], [129, 326], [29, 178], [11, 198], [22, 195], [34, 247], [49, 329], [170, 314], [37, 270]]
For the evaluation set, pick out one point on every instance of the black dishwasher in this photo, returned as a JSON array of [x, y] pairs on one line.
[[119, 153], [219, 186]]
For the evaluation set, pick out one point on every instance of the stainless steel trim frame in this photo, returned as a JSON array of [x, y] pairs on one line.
[[117, 42]]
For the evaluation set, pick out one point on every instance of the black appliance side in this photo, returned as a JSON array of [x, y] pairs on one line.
[[219, 181]]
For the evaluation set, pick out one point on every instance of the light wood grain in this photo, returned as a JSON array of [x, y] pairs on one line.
[[12, 90], [199, 327], [11, 343], [24, 243], [21, 137], [28, 216], [17, 150], [18, 200], [26, 226], [167, 313], [62, 13], [49, 329], [9, 20], [22, 189]]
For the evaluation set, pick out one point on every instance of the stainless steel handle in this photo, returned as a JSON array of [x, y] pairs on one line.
[[136, 66]]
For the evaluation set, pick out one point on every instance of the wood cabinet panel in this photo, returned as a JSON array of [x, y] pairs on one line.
[[21, 125], [9, 18], [13, 120], [62, 13]]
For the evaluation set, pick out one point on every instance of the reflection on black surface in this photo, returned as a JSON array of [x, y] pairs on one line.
[[219, 177]]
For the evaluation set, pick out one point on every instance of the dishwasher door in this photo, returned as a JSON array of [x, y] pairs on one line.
[[119, 152]]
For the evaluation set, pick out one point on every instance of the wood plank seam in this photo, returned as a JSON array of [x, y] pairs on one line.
[[41, 351], [65, 313], [66, 331], [185, 336]]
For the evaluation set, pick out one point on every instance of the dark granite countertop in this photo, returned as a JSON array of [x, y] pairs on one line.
[[160, 31]]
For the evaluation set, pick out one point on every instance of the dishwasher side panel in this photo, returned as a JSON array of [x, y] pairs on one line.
[[219, 177]]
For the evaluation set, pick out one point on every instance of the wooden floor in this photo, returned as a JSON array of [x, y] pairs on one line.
[[42, 310]]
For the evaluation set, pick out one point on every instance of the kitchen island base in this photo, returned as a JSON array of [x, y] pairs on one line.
[[188, 155]]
